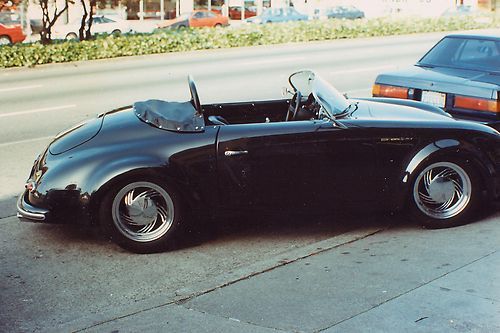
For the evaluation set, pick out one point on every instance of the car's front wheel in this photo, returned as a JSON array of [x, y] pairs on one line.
[[445, 194], [142, 216]]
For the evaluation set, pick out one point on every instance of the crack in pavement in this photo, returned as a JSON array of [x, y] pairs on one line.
[[278, 261], [407, 292]]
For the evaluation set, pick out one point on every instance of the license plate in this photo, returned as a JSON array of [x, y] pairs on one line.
[[434, 98]]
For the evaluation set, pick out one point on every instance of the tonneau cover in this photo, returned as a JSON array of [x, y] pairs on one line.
[[172, 116]]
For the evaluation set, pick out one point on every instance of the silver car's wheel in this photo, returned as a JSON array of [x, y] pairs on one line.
[[143, 212], [442, 190]]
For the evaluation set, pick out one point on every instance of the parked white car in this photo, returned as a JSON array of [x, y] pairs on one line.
[[101, 24]]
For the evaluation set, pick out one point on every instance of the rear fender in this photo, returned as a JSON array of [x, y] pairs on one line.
[[148, 167]]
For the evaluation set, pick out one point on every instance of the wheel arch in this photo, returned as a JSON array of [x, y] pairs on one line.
[[8, 38], [445, 149], [142, 167]]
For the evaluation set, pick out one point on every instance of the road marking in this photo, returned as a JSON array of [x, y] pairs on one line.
[[54, 108], [271, 61], [365, 69], [25, 141], [20, 88]]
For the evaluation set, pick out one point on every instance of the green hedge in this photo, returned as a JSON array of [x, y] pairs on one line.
[[214, 38]]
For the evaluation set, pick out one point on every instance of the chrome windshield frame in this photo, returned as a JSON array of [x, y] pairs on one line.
[[329, 98]]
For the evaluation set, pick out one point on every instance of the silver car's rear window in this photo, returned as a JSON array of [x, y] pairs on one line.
[[465, 53]]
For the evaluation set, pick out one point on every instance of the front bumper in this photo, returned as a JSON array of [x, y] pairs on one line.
[[30, 213]]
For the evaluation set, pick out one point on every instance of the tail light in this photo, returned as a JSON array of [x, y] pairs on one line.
[[479, 104], [382, 90]]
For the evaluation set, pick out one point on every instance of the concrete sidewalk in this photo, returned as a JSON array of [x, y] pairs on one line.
[[403, 279]]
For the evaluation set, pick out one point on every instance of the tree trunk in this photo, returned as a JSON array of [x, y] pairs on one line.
[[83, 22], [48, 20], [88, 34]]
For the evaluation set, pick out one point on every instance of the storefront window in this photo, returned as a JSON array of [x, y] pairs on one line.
[[152, 9], [200, 4]]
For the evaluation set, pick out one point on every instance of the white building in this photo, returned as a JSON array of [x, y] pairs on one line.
[[164, 9]]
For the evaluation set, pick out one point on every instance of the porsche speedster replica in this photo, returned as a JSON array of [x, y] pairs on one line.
[[139, 170]]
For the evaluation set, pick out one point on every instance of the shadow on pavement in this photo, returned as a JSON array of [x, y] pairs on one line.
[[282, 227], [279, 227], [289, 225]]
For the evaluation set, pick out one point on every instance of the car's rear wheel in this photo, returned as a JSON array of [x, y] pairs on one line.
[[5, 40], [218, 25], [116, 32], [445, 194], [142, 216]]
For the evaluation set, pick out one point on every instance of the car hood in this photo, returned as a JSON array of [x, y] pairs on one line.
[[370, 113], [460, 81], [392, 112]]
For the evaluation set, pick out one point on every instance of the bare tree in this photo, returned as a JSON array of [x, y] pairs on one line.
[[49, 18], [85, 25]]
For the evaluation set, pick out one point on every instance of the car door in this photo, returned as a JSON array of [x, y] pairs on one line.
[[279, 15], [97, 25], [109, 25], [293, 164]]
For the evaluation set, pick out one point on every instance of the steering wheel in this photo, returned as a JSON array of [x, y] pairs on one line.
[[294, 109], [194, 95]]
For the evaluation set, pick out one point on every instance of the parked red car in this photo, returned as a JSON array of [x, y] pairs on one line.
[[235, 12], [197, 18], [11, 33]]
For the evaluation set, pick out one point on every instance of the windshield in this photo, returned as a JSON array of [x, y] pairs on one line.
[[464, 53], [308, 82]]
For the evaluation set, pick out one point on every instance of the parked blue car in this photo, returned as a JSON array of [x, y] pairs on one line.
[[275, 15], [340, 12]]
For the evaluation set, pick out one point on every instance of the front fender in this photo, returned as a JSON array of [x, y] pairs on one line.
[[408, 102]]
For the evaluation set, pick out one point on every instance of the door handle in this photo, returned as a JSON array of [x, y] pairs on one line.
[[235, 152]]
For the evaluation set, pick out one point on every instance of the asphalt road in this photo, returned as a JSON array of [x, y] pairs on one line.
[[65, 278]]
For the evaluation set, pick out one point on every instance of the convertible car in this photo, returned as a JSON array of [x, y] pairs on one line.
[[139, 170]]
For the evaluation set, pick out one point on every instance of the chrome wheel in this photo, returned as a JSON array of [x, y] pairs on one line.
[[442, 190], [143, 211]]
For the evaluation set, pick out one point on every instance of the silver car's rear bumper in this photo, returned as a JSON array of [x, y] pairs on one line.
[[27, 212]]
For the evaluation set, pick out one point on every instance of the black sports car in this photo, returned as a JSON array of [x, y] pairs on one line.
[[460, 74], [140, 169]]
